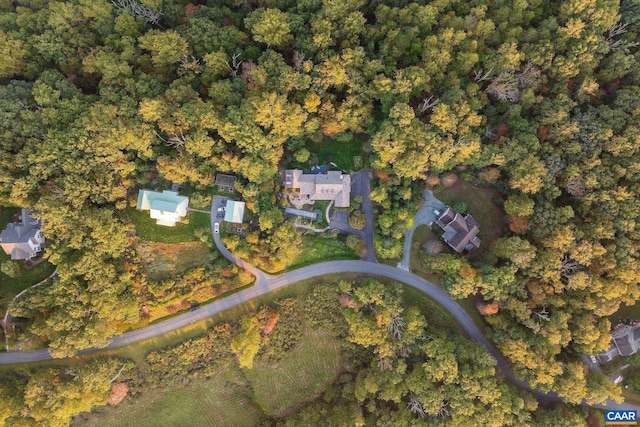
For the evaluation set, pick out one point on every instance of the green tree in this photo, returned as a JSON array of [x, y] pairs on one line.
[[269, 26], [166, 47], [247, 343]]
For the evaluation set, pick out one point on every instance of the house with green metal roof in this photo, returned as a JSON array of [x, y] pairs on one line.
[[166, 208], [235, 212]]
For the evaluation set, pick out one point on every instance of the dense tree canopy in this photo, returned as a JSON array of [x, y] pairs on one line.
[[541, 96]]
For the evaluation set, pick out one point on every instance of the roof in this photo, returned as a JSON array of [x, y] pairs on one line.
[[166, 207], [460, 232], [22, 239], [225, 180], [234, 212], [22, 231], [300, 212], [625, 341], [332, 185], [167, 201]]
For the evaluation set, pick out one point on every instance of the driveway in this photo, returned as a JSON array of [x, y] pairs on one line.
[[218, 202], [360, 186], [424, 216]]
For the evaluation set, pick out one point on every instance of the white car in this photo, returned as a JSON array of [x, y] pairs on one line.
[[222, 209], [593, 359], [216, 227]]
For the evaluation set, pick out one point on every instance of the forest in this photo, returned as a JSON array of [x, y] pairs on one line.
[[537, 99], [401, 365]]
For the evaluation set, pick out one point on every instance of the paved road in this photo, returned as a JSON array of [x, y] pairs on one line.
[[424, 216], [267, 283]]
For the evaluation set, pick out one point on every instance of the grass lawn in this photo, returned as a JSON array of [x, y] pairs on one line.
[[233, 397], [339, 152], [220, 401], [318, 249], [281, 388], [625, 313], [147, 229], [11, 286], [481, 206]]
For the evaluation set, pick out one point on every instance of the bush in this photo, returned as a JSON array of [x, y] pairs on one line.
[[322, 309], [357, 245], [357, 220], [285, 334], [460, 207], [10, 268], [200, 201], [388, 248]]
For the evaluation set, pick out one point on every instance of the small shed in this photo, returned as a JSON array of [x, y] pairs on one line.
[[225, 182]]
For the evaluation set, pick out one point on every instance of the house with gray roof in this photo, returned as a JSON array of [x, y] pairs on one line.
[[460, 232], [22, 239], [625, 341], [166, 208], [331, 185]]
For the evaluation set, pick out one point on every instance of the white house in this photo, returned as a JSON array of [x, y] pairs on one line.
[[23, 239], [166, 208]]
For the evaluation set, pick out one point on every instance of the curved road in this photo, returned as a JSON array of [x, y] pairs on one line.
[[266, 283]]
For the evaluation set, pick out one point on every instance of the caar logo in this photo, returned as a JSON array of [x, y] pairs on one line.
[[620, 418]]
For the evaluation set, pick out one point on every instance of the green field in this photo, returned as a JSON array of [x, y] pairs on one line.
[[340, 152], [147, 229], [281, 388], [318, 249], [234, 397], [217, 402]]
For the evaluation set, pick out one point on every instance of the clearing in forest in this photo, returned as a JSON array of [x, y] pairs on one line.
[[165, 260]]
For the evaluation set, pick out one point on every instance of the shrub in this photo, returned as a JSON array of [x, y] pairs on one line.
[[322, 309], [357, 220], [10, 268], [357, 245], [460, 207]]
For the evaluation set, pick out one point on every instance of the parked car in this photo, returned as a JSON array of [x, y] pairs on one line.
[[216, 227], [194, 308], [593, 359], [220, 216], [222, 209]]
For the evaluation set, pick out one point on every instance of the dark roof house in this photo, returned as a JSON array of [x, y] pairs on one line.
[[23, 239], [460, 232], [625, 341], [225, 182]]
